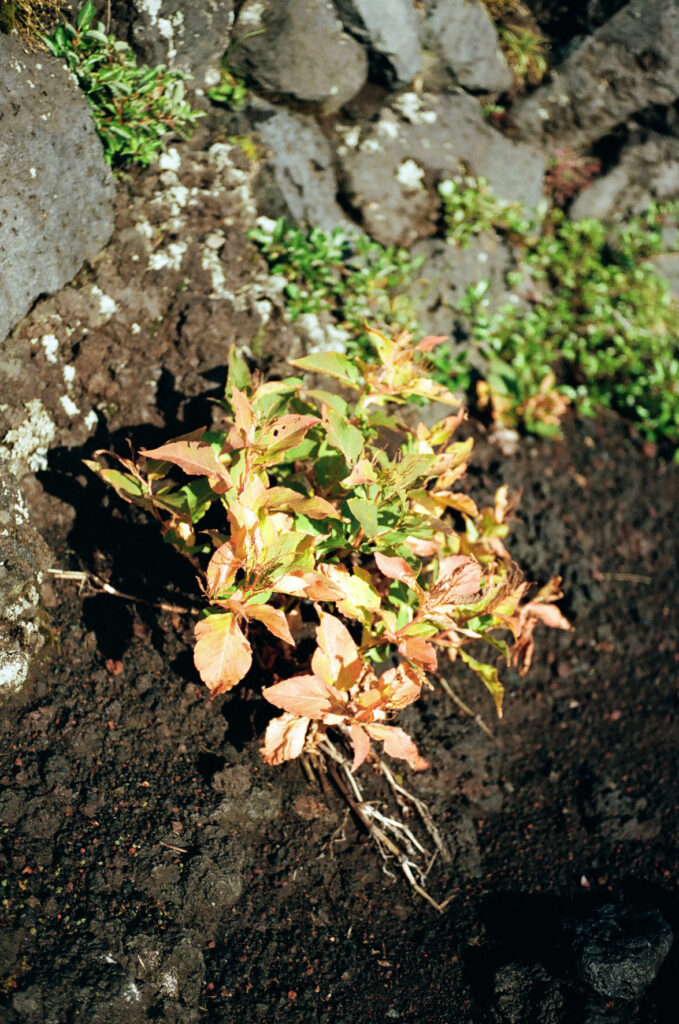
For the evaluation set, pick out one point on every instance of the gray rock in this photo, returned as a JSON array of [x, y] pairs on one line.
[[620, 949], [56, 191], [631, 62], [24, 557], [447, 272], [464, 47], [300, 181], [647, 171], [525, 992], [388, 171], [389, 30], [191, 35], [300, 50]]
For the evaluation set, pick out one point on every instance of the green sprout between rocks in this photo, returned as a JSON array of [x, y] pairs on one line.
[[134, 107]]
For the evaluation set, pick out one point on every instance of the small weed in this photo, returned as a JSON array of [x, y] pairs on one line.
[[231, 91], [31, 18], [568, 174], [134, 107], [525, 49]]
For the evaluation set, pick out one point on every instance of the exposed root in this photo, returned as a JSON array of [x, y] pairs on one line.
[[95, 585]]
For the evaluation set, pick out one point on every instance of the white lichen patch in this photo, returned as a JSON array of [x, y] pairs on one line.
[[69, 406], [91, 419], [50, 344], [13, 671], [370, 145], [69, 374], [169, 985], [388, 125], [107, 306], [211, 262], [25, 447], [410, 106], [168, 259], [410, 175], [170, 160], [325, 337], [151, 8], [251, 16]]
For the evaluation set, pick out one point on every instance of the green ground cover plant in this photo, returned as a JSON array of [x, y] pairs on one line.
[[342, 273], [594, 316], [134, 106], [330, 512], [524, 47]]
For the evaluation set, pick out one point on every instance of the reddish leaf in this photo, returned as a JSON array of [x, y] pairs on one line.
[[336, 658], [401, 686], [308, 696], [430, 342], [314, 508], [418, 650], [361, 744], [548, 614], [461, 577], [195, 457], [395, 568], [285, 432], [243, 415], [222, 654], [398, 743], [312, 584], [284, 738]]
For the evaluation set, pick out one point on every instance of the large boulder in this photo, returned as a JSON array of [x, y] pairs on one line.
[[390, 167], [388, 29], [463, 47], [628, 64], [56, 191], [24, 558], [299, 49], [298, 181], [191, 35]]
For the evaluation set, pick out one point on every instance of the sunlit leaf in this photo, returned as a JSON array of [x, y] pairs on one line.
[[397, 743], [222, 654], [284, 738], [336, 659], [488, 674], [331, 363], [308, 696], [194, 457]]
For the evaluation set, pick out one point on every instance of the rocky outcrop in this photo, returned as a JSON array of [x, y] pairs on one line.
[[191, 36], [628, 64], [463, 47], [389, 168], [388, 30], [647, 171], [24, 558], [299, 49], [56, 191]]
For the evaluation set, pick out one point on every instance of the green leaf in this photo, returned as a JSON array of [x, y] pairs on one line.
[[239, 374], [334, 364], [366, 514], [488, 675], [345, 437], [86, 15]]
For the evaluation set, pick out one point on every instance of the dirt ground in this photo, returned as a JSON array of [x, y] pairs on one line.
[[154, 869]]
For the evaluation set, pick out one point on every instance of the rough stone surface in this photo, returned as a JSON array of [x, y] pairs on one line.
[[24, 557], [448, 271], [620, 949], [55, 188], [647, 171], [299, 179], [192, 36], [630, 63], [300, 50], [388, 171], [463, 47], [388, 28], [525, 992]]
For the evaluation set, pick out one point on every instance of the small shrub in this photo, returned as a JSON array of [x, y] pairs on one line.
[[568, 174], [524, 47], [30, 18], [335, 511], [134, 107]]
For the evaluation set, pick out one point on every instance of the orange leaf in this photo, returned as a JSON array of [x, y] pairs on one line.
[[273, 618], [222, 569], [395, 568], [244, 418], [400, 686], [548, 614], [460, 576], [361, 744], [308, 696], [336, 658], [195, 457], [312, 584], [284, 738], [222, 654], [398, 743], [430, 342], [285, 432]]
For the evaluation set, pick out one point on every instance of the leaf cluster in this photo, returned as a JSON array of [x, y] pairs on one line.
[[327, 506], [340, 272], [593, 314], [134, 107], [524, 47]]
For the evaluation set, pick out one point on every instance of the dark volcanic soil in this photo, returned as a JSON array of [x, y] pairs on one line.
[[154, 869]]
